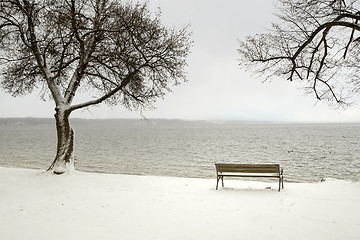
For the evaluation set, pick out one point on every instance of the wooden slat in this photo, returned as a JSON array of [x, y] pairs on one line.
[[248, 168], [244, 175]]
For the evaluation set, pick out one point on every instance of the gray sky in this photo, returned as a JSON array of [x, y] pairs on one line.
[[217, 88]]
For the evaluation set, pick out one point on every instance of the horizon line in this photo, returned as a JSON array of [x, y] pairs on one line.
[[189, 120]]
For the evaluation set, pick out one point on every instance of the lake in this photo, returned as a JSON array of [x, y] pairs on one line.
[[307, 152]]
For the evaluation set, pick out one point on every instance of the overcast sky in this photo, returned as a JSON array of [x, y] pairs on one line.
[[217, 88]]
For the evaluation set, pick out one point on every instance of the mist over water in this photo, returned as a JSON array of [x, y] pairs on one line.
[[307, 152]]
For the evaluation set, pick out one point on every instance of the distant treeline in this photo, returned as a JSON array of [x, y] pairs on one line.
[[26, 121], [80, 121], [121, 122]]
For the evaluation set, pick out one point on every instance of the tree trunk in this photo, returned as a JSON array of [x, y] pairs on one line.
[[64, 160]]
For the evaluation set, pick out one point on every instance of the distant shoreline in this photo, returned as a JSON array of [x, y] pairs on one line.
[[37, 121]]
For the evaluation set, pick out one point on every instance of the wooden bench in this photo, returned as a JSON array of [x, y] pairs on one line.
[[248, 170]]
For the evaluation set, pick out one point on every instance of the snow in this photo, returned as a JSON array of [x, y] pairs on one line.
[[36, 205]]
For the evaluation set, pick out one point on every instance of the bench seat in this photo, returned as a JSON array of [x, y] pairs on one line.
[[248, 170]]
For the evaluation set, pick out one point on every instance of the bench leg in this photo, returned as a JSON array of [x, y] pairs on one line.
[[281, 182], [282, 178], [217, 182]]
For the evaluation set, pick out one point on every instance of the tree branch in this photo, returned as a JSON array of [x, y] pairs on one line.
[[106, 96]]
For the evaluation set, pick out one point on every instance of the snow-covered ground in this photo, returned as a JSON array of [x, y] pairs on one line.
[[35, 205]]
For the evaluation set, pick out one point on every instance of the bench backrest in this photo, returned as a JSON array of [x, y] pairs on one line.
[[247, 168]]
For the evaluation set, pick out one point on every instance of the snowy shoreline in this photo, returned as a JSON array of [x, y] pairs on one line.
[[35, 205]]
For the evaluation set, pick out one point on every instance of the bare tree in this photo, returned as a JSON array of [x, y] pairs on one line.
[[315, 41], [120, 52]]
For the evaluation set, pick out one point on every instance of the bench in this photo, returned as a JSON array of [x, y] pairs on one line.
[[248, 170]]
